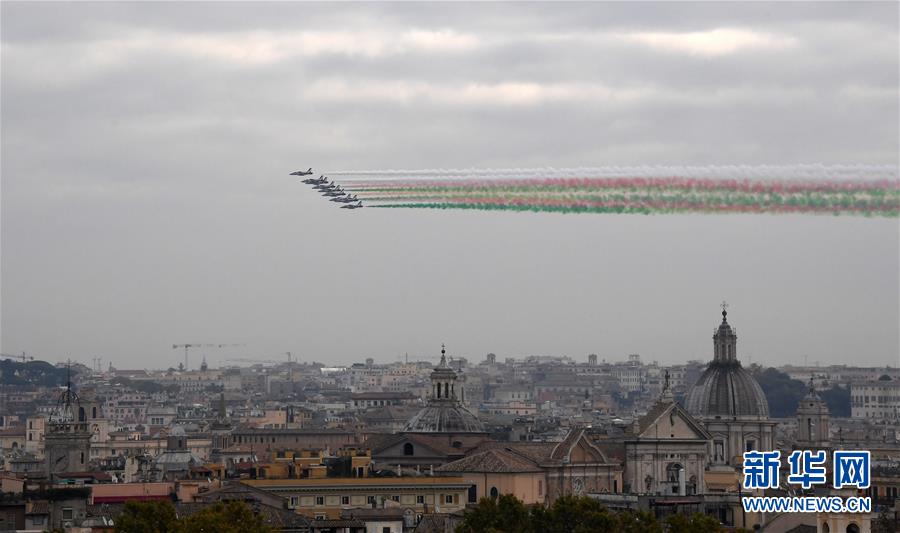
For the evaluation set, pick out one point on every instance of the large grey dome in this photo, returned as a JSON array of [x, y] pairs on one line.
[[726, 389], [445, 412], [444, 419]]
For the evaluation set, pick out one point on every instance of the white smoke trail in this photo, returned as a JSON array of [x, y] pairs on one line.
[[755, 172]]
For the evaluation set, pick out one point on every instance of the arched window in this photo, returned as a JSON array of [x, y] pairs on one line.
[[81, 414], [494, 493], [852, 528], [826, 528], [408, 449], [94, 412]]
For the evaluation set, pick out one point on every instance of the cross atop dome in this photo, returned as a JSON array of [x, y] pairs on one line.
[[724, 306]]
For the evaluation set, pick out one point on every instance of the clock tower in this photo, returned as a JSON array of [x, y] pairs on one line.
[[67, 440]]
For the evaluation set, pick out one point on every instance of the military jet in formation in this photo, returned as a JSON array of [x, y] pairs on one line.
[[330, 190], [346, 199], [316, 181]]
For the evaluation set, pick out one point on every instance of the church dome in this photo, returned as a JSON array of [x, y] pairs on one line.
[[726, 389], [444, 419], [445, 413]]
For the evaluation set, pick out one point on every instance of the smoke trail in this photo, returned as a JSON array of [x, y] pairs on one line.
[[856, 190], [756, 172]]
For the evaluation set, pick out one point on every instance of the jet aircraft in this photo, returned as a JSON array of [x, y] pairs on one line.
[[302, 173], [346, 199], [352, 206]]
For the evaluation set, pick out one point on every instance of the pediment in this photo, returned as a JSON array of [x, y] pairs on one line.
[[672, 422]]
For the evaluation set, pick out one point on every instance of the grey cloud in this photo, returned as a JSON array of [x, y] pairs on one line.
[[146, 200]]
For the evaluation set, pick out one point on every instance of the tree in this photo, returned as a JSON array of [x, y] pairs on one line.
[[883, 523], [160, 517], [568, 514], [838, 401], [782, 392], [231, 517], [637, 522], [497, 515], [575, 514], [697, 523], [147, 517]]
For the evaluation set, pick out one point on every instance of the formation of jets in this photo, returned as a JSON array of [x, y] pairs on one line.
[[330, 190]]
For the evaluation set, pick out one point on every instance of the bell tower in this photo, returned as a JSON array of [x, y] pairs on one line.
[[67, 440], [813, 420]]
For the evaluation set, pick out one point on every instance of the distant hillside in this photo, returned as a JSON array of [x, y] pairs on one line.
[[39, 373]]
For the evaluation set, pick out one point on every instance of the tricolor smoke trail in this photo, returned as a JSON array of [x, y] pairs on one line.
[[856, 190]]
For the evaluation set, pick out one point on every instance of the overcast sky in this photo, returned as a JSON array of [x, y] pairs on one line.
[[146, 201]]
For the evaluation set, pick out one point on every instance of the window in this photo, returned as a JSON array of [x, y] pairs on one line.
[[386, 529], [396, 497], [320, 500], [68, 513], [370, 499], [420, 499], [345, 500], [494, 492], [448, 498], [751, 445], [540, 487], [408, 449], [294, 501]]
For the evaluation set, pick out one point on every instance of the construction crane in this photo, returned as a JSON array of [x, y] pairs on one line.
[[189, 346]]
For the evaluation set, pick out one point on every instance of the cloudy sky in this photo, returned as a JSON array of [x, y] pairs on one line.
[[146, 202]]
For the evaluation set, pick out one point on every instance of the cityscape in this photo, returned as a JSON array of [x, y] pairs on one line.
[[449, 267], [408, 446]]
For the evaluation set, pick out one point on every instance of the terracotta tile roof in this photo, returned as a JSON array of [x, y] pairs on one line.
[[496, 460], [533, 451], [38, 507]]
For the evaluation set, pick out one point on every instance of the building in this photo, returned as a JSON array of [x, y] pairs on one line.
[[327, 498], [445, 412], [878, 399], [730, 403], [537, 472], [666, 451], [813, 420], [67, 441]]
